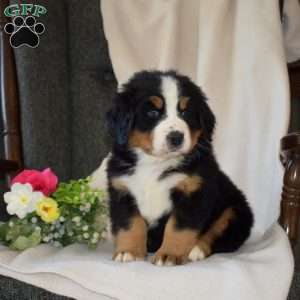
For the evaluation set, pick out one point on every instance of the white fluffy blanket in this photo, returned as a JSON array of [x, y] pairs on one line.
[[258, 271]]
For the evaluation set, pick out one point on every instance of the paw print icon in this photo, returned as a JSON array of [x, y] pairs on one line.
[[24, 31]]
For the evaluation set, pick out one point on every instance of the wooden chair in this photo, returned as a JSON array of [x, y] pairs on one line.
[[12, 162], [10, 103]]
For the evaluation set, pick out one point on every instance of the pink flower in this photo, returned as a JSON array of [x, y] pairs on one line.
[[45, 181]]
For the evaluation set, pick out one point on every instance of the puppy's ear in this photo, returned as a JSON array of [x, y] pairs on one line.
[[207, 120], [120, 119]]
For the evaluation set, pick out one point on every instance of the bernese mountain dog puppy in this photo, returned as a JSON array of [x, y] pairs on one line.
[[167, 192]]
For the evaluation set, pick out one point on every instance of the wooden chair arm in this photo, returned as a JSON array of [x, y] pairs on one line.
[[290, 201], [9, 100]]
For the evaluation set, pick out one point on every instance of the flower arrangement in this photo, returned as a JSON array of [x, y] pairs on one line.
[[45, 211]]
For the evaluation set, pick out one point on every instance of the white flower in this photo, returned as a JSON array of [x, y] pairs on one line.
[[95, 235], [76, 219], [86, 235], [88, 206], [57, 244], [45, 239], [21, 200], [85, 227]]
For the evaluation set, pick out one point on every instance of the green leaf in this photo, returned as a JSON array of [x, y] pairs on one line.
[[77, 192], [23, 242], [3, 231]]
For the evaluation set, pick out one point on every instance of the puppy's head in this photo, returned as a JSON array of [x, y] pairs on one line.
[[163, 113]]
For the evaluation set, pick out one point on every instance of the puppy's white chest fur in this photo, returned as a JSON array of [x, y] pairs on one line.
[[152, 194]]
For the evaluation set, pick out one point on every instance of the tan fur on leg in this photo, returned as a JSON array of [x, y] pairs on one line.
[[131, 244], [176, 245]]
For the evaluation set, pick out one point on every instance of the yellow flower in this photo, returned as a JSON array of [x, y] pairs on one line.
[[48, 210]]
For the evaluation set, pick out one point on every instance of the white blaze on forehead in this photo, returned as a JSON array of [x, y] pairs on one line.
[[171, 122], [169, 90]]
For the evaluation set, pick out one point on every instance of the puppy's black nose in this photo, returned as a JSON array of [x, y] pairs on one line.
[[175, 139]]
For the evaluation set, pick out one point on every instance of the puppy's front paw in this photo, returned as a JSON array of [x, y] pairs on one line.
[[199, 252], [127, 256], [167, 259]]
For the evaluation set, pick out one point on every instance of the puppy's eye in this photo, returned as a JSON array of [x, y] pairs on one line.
[[183, 113], [153, 114]]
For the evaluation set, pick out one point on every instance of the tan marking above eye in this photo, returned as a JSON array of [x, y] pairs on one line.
[[183, 102], [157, 101]]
